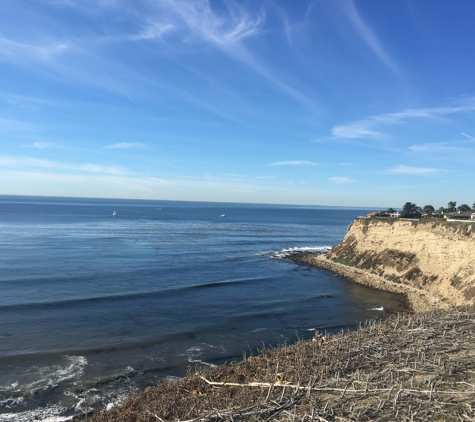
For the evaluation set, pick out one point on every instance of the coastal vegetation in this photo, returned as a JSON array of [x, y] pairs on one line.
[[412, 210], [411, 367]]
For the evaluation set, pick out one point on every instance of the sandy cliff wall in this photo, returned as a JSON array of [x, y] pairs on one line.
[[432, 255]]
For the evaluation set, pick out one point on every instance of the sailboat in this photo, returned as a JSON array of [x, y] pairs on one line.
[[114, 214]]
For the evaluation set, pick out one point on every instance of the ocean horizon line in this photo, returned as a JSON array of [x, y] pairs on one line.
[[268, 204]]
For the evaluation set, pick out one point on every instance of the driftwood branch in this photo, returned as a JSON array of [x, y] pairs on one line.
[[344, 390]]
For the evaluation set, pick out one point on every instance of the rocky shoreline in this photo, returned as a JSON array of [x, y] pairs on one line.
[[418, 300]]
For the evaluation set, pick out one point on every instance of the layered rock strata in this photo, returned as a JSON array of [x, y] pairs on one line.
[[427, 259]]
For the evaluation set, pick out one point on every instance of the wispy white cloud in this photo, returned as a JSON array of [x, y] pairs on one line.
[[28, 102], [28, 162], [43, 145], [342, 180], [467, 136], [176, 23], [433, 147], [412, 171], [356, 130], [369, 128], [224, 31], [423, 113], [292, 163], [210, 187], [33, 182], [368, 36], [235, 176], [196, 21], [155, 30], [13, 51], [265, 177], [125, 145]]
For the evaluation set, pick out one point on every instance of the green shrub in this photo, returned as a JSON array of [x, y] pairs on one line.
[[343, 261], [393, 277]]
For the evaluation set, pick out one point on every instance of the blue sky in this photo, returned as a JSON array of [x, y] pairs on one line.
[[356, 103]]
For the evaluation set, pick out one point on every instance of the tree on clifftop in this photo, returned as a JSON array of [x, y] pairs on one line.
[[429, 209], [464, 207], [409, 207], [411, 210], [452, 205]]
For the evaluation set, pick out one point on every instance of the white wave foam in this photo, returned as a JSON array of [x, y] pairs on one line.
[[201, 362], [11, 401], [98, 397], [194, 350], [200, 348], [51, 376], [284, 253], [380, 308], [48, 414], [115, 397], [73, 370], [39, 378]]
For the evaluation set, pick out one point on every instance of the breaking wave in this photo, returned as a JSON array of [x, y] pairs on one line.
[[284, 253]]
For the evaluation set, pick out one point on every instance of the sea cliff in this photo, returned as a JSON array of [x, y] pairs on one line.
[[431, 261]]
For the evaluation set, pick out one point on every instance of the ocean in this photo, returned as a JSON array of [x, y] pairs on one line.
[[95, 308]]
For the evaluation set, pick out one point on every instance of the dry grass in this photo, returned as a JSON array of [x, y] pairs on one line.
[[412, 367]]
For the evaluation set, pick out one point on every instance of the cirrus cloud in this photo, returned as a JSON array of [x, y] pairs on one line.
[[292, 163], [29, 162], [369, 127], [412, 171], [342, 180], [124, 145]]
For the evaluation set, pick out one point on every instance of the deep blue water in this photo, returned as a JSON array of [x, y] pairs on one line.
[[113, 304]]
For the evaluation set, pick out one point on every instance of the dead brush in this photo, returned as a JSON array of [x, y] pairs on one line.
[[412, 367]]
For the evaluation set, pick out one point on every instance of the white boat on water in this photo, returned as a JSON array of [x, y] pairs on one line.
[[223, 215], [114, 214]]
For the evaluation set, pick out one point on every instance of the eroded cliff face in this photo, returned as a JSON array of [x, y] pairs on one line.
[[432, 255]]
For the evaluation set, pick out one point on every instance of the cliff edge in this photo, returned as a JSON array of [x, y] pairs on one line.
[[435, 256]]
